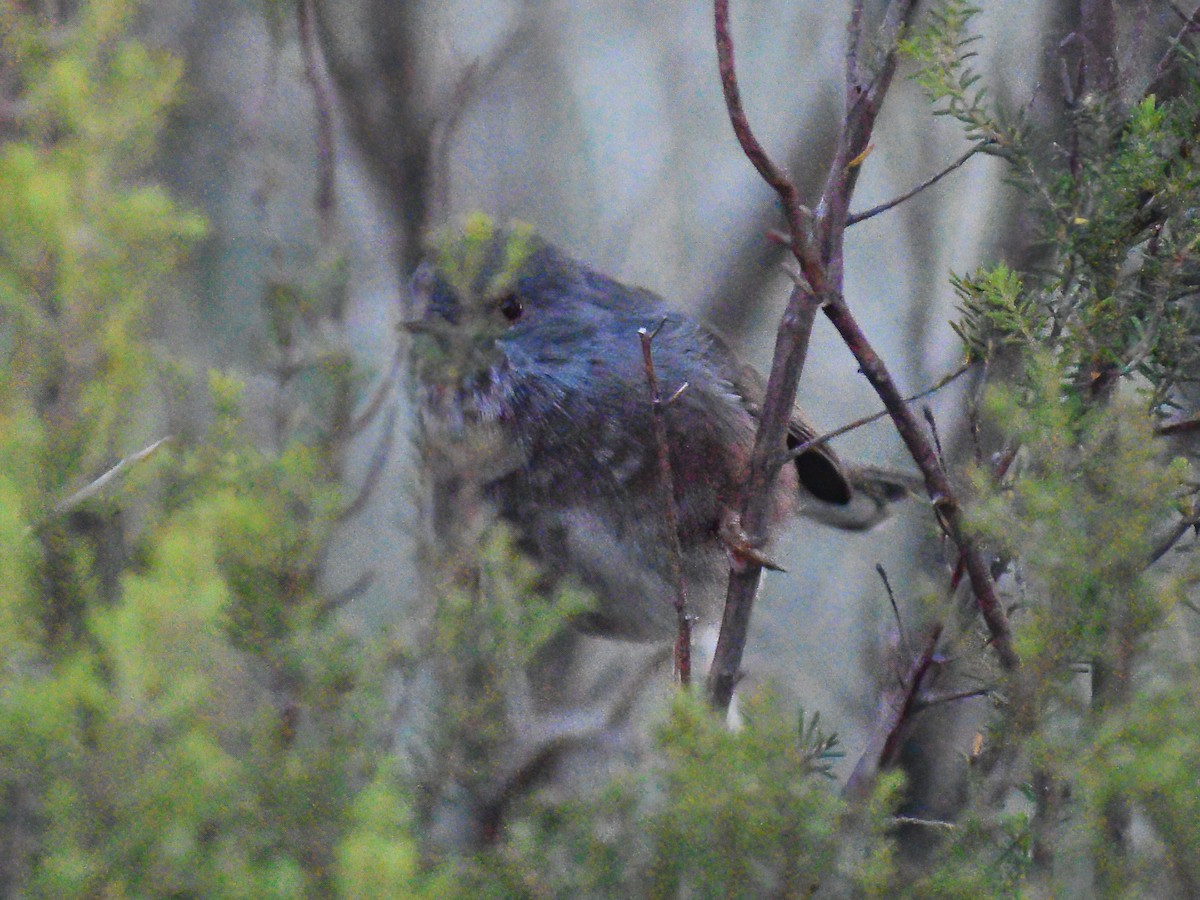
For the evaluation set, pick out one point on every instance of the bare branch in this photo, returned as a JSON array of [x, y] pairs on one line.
[[936, 481], [374, 469], [821, 261], [371, 410], [475, 75], [896, 707], [95, 487], [925, 823], [797, 215], [1182, 527], [855, 218], [925, 702], [887, 584], [875, 417], [666, 489], [1162, 72]]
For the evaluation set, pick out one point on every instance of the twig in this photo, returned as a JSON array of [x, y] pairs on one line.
[[1182, 527], [475, 75], [368, 413], [1191, 24], [927, 412], [797, 215], [323, 102], [875, 417], [862, 104], [896, 707], [95, 487], [666, 489], [819, 251], [374, 469], [855, 218], [926, 823], [335, 601], [924, 702], [1183, 426], [936, 481], [895, 609]]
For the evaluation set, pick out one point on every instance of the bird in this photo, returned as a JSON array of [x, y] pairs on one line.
[[529, 377]]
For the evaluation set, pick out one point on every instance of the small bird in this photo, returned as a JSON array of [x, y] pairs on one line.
[[529, 375]]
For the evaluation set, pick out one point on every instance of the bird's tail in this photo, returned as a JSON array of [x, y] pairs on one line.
[[873, 490]]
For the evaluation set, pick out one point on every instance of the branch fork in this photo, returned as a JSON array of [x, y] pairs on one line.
[[816, 241]]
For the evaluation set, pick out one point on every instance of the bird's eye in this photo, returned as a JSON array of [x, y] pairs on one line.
[[511, 307]]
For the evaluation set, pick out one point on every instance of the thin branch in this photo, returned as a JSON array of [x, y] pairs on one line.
[[926, 823], [335, 601], [896, 708], [875, 417], [855, 218], [474, 76], [1182, 527], [797, 215], [925, 702], [862, 108], [1184, 426], [95, 487], [374, 469], [887, 584], [822, 264], [666, 490], [371, 410], [936, 482], [927, 412], [754, 151]]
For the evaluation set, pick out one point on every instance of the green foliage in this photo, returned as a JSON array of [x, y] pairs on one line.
[[179, 715], [941, 49], [1080, 517], [743, 815], [747, 812], [1115, 293], [1148, 756], [996, 312], [182, 714], [1085, 350]]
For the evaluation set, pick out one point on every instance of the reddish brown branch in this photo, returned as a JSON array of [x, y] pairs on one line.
[[936, 482], [818, 247], [797, 215], [666, 488], [822, 439], [855, 218], [896, 709], [791, 348]]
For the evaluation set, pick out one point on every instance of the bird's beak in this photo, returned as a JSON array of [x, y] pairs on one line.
[[433, 326], [419, 326]]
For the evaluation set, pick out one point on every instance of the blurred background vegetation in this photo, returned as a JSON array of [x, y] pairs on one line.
[[223, 671]]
